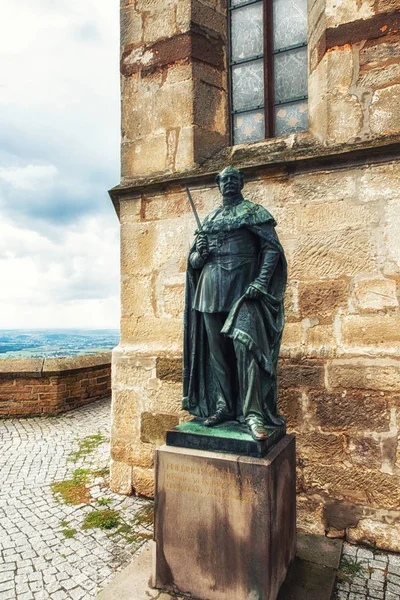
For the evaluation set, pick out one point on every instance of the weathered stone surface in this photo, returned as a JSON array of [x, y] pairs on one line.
[[344, 117], [371, 294], [137, 297], [332, 255], [392, 263], [153, 426], [147, 333], [385, 536], [350, 410], [168, 205], [215, 504], [321, 299], [361, 486], [143, 482], [339, 11], [377, 52], [292, 336], [320, 340], [364, 373], [289, 405], [127, 448], [339, 514], [167, 397], [384, 118], [170, 302], [334, 216], [131, 27], [24, 367], [380, 77], [121, 478], [132, 370], [366, 331], [158, 24], [321, 447], [300, 374], [148, 155], [365, 452], [169, 369], [309, 514], [331, 187], [125, 412]]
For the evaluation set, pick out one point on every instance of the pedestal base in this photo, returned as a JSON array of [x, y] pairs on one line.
[[231, 437], [225, 524]]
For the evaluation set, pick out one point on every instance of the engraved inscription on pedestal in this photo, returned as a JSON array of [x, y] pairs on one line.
[[208, 481]]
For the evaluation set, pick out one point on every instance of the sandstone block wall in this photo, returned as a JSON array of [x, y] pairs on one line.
[[340, 369], [34, 387], [335, 192]]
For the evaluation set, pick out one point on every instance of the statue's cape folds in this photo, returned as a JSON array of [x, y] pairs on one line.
[[258, 324]]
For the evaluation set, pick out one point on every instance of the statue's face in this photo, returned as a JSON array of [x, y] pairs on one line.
[[229, 184]]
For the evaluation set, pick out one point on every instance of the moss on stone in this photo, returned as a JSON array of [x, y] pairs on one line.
[[87, 445], [74, 490], [101, 519]]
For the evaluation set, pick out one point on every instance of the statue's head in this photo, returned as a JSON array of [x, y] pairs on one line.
[[230, 182]]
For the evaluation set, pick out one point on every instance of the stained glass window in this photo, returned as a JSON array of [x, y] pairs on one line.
[[269, 76]]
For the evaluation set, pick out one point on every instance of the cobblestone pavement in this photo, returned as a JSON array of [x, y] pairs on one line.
[[368, 575], [41, 554], [45, 553]]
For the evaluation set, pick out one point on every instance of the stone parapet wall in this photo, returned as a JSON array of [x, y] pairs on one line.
[[34, 387]]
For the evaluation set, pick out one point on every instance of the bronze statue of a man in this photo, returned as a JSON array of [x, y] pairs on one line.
[[234, 318]]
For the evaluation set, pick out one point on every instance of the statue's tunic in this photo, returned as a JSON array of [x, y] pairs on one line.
[[243, 249]]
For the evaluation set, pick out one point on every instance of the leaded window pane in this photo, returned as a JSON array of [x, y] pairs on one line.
[[248, 127], [290, 118], [290, 75], [248, 85], [247, 32], [290, 23]]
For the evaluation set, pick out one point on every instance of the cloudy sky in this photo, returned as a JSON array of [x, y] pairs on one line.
[[59, 154]]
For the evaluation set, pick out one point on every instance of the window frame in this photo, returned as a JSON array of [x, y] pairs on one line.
[[268, 61]]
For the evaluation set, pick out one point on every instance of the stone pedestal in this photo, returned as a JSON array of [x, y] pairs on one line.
[[225, 524]]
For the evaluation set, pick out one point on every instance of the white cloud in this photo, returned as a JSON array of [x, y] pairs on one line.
[[30, 177], [59, 153], [70, 283]]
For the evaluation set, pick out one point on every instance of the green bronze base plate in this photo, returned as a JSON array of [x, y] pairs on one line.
[[231, 437]]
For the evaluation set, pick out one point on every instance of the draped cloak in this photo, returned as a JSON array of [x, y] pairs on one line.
[[257, 324]]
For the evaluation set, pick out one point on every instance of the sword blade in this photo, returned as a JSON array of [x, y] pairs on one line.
[[196, 216]]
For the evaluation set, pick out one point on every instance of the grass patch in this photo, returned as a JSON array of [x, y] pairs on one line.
[[144, 516], [101, 519], [101, 472], [104, 501], [64, 523], [74, 490], [349, 569], [69, 532], [131, 536], [143, 519], [87, 445]]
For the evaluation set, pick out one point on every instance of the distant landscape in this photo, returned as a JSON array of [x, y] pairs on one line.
[[52, 343]]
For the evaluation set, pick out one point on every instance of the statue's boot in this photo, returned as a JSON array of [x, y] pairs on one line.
[[220, 416], [257, 428]]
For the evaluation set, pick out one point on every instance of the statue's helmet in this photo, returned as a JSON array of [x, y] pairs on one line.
[[233, 171]]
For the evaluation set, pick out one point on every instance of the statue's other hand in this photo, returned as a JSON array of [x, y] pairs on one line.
[[253, 293], [202, 245]]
